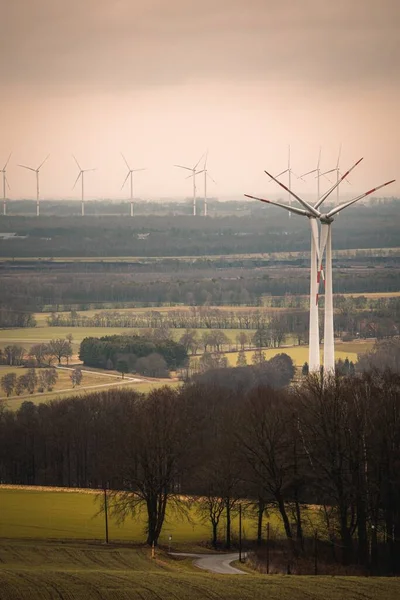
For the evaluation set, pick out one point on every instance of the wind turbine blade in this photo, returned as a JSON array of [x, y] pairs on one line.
[[326, 178], [336, 210], [125, 180], [181, 167], [8, 185], [126, 162], [310, 208], [198, 172], [25, 167], [209, 176], [41, 164], [76, 180], [7, 161], [79, 166], [279, 174], [197, 164], [205, 160], [309, 173], [327, 172], [329, 192], [346, 180], [297, 211]]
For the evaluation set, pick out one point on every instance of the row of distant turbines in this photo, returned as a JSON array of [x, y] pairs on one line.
[[196, 170], [199, 168], [321, 242]]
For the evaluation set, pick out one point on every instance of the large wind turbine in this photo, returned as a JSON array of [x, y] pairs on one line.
[[326, 220], [206, 174], [130, 174], [5, 184], [326, 244], [37, 181], [309, 212], [81, 175], [194, 173]]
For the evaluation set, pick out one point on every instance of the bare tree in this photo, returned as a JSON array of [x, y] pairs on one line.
[[76, 377], [8, 382], [153, 460], [60, 348]]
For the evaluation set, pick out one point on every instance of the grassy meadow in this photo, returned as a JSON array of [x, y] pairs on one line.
[[52, 548], [59, 513]]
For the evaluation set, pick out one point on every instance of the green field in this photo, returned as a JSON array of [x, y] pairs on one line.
[[52, 548], [81, 571], [71, 514]]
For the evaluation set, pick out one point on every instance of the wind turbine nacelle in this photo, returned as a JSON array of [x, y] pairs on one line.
[[326, 219]]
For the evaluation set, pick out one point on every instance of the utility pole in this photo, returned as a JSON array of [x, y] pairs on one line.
[[106, 513], [316, 552], [240, 533]]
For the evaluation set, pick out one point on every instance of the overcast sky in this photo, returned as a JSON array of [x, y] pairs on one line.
[[163, 80]]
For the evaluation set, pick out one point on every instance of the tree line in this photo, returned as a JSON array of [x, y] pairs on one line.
[[83, 285], [260, 229], [334, 443], [39, 355]]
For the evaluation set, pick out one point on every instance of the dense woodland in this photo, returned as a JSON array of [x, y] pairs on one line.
[[125, 352], [84, 285], [258, 230]]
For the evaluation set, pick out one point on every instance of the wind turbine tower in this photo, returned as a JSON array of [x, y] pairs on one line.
[[37, 182], [130, 174], [290, 173], [5, 185], [194, 173], [206, 174], [82, 176]]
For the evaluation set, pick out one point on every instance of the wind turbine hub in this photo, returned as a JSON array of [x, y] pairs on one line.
[[326, 220]]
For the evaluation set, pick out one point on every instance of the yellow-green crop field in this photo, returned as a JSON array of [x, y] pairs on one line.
[[51, 548], [299, 354]]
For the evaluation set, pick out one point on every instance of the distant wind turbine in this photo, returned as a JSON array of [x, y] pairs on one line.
[[81, 175], [206, 174], [290, 173], [194, 173], [37, 182], [338, 174], [318, 174], [130, 174], [5, 184]]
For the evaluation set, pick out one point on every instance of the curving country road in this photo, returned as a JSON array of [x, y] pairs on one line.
[[214, 563]]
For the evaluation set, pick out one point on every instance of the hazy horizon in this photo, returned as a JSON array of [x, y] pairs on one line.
[[163, 82]]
